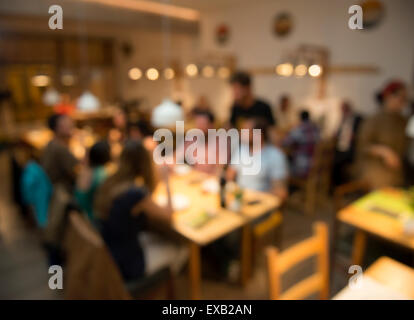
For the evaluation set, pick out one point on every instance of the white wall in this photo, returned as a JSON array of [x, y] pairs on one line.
[[321, 22]]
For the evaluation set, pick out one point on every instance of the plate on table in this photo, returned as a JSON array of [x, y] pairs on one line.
[[182, 169], [179, 201], [199, 219], [210, 186]]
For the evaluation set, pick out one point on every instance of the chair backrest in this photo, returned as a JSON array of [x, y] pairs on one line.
[[323, 156], [279, 263], [90, 271]]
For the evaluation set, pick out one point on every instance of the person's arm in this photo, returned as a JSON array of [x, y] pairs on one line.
[[69, 165], [279, 189], [233, 117], [153, 210], [231, 174], [279, 173], [269, 116], [367, 145]]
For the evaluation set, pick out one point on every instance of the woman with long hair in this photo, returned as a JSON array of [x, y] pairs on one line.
[[123, 205]]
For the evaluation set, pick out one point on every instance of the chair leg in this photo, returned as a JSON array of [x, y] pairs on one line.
[[170, 292], [335, 233], [278, 236]]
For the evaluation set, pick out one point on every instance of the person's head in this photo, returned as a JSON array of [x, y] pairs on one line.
[[61, 125], [259, 124], [393, 97], [99, 154], [203, 103], [134, 163], [241, 84], [284, 102], [304, 116], [139, 130], [346, 108], [204, 120], [120, 119]]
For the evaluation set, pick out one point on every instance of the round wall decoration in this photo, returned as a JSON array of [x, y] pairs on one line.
[[283, 24], [373, 13], [222, 34]]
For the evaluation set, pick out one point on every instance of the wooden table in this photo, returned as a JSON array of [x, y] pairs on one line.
[[393, 275], [222, 224], [373, 223]]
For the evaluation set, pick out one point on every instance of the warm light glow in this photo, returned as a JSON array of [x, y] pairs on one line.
[[40, 81], [284, 69], [135, 74], [169, 73], [315, 70], [223, 72], [208, 71], [152, 74], [191, 70], [68, 80], [152, 7], [301, 70]]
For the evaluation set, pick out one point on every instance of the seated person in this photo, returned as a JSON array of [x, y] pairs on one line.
[[204, 120], [142, 131], [202, 105], [301, 144], [92, 175], [123, 204], [57, 160], [272, 162]]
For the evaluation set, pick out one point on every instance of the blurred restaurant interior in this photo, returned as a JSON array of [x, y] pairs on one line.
[[85, 86]]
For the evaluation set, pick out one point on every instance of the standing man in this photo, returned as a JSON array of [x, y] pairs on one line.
[[345, 143], [287, 117], [246, 106], [57, 160]]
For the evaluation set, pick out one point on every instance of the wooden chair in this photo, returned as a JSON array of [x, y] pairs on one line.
[[91, 272], [317, 182], [341, 196], [279, 263], [267, 231]]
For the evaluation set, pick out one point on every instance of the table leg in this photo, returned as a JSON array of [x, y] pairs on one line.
[[195, 271], [358, 250], [246, 254]]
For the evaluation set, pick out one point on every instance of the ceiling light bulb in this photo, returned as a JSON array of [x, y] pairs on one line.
[[169, 73], [315, 70], [40, 80], [301, 70], [208, 71], [135, 73], [223, 72], [152, 74], [191, 70], [284, 69]]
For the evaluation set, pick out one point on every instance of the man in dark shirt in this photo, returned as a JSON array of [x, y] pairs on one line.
[[245, 105]]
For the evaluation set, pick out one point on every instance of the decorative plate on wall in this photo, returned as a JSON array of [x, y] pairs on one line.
[[283, 24], [373, 11], [222, 34]]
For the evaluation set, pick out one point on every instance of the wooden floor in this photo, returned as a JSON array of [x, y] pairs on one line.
[[23, 271]]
